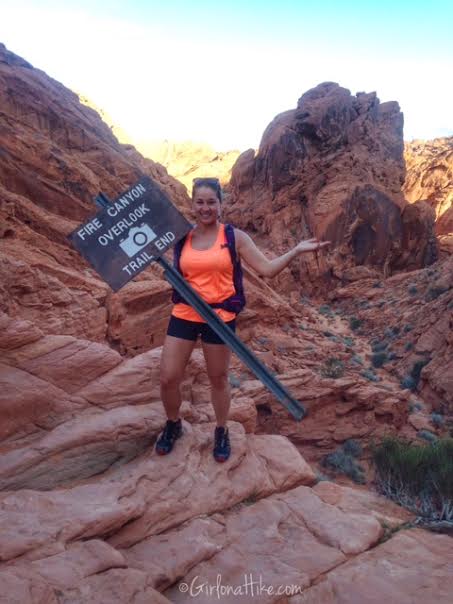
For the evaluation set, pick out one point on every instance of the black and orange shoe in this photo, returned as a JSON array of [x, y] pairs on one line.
[[172, 431], [222, 447]]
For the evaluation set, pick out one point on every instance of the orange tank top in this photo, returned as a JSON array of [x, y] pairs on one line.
[[210, 273]]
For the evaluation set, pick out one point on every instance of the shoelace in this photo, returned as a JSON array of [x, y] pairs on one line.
[[222, 439]]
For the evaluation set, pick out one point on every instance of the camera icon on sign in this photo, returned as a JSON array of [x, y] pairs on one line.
[[136, 239]]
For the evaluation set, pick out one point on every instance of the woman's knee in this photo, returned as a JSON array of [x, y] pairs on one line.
[[219, 381], [170, 379]]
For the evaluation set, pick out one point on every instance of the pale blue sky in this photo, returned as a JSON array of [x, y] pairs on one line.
[[220, 71]]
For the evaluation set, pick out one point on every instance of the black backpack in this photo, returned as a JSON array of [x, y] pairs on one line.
[[234, 303]]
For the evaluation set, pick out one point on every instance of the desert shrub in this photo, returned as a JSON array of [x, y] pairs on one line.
[[408, 382], [349, 342], [357, 360], [355, 323], [377, 284], [378, 359], [437, 420], [326, 310], [407, 328], [342, 462], [379, 345], [333, 368], [434, 292], [420, 477], [426, 435], [370, 375], [417, 369], [320, 477], [412, 290], [415, 407], [408, 346], [391, 355], [352, 447], [233, 380]]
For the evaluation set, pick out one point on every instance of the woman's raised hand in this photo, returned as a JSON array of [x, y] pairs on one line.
[[311, 245]]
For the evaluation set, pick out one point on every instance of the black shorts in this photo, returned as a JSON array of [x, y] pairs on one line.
[[190, 330]]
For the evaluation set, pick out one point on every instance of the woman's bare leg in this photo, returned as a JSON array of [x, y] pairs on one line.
[[217, 358], [175, 356]]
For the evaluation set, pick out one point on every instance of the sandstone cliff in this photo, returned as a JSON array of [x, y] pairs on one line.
[[88, 512], [56, 155], [430, 178], [188, 160], [333, 168]]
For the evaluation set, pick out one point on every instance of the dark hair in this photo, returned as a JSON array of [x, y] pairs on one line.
[[212, 183]]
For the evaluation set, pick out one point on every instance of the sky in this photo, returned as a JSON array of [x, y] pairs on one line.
[[219, 72]]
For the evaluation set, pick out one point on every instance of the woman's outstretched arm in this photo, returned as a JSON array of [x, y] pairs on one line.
[[269, 268]]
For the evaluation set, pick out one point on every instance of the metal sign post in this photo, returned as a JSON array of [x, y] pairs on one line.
[[137, 229]]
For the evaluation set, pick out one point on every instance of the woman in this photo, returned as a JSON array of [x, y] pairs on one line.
[[206, 265]]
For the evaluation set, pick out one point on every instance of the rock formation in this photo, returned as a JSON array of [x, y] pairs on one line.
[[429, 178], [188, 160], [332, 168], [88, 511], [56, 155]]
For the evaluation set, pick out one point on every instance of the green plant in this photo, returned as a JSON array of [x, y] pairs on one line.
[[378, 345], [378, 359], [355, 323], [417, 369], [342, 462], [326, 310], [426, 435], [434, 292], [333, 368], [412, 290], [420, 477], [370, 375], [234, 381], [408, 383], [357, 360], [408, 346], [352, 447], [437, 420], [349, 342]]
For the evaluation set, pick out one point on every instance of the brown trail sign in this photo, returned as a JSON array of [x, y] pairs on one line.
[[136, 229]]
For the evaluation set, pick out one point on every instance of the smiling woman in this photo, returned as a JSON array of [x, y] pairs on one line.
[[210, 266]]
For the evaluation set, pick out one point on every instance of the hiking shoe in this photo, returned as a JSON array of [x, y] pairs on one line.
[[222, 448], [172, 431]]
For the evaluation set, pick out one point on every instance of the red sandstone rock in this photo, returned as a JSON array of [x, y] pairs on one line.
[[429, 177], [413, 567], [57, 154], [331, 168]]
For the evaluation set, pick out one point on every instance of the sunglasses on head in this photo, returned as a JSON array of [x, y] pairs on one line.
[[206, 181]]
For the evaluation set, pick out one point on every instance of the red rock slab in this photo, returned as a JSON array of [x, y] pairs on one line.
[[258, 466], [19, 589], [117, 586], [70, 567], [287, 539], [14, 334], [152, 493], [133, 382], [64, 361], [30, 404], [82, 447], [361, 501], [413, 567]]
